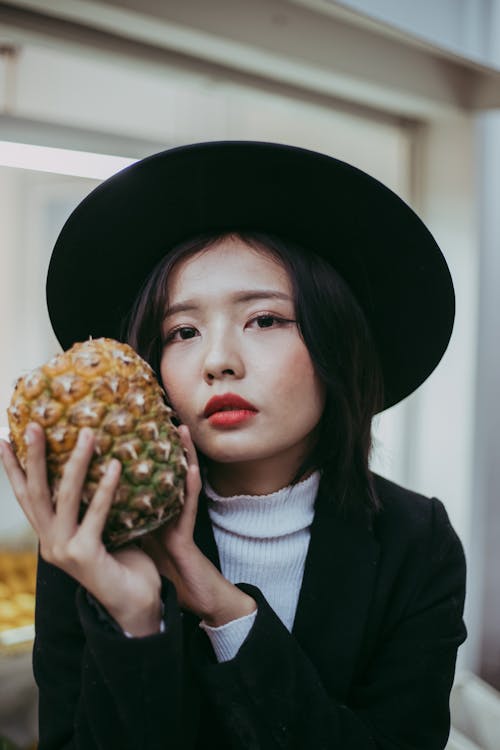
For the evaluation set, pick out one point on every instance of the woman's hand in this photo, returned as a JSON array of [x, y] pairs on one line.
[[200, 586], [126, 581]]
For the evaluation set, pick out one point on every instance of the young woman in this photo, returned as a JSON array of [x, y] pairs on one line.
[[299, 601]]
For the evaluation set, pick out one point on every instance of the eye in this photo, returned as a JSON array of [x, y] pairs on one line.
[[183, 333], [267, 320]]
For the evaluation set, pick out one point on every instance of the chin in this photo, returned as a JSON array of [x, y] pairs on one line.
[[236, 452], [232, 456]]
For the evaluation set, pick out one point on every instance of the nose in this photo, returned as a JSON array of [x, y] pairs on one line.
[[223, 357]]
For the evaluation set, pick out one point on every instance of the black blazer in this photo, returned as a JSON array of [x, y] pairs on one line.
[[369, 663]]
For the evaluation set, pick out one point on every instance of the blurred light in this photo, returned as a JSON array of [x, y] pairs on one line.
[[61, 160]]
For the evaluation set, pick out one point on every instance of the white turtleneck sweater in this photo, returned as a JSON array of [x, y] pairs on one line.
[[262, 540]]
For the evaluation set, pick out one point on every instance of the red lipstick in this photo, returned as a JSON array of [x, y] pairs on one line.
[[228, 410]]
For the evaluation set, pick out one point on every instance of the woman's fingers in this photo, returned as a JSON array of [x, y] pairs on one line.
[[97, 512], [56, 526], [31, 488], [36, 467], [69, 491], [15, 474], [193, 479], [192, 456]]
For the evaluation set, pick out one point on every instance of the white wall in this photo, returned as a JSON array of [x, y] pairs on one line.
[[484, 603], [457, 25]]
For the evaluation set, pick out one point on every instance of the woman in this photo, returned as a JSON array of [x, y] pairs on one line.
[[300, 601]]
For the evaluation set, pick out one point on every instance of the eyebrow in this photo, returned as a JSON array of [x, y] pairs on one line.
[[243, 296]]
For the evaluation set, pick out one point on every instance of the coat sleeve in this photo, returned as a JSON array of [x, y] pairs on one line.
[[270, 696], [98, 688]]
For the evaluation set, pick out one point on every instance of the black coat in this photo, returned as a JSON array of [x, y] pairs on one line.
[[369, 662]]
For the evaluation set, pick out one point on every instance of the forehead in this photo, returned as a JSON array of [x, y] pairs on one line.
[[226, 265]]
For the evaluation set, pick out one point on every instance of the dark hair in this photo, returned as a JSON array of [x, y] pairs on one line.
[[337, 336]]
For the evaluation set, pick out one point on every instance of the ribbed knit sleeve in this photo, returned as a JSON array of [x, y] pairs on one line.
[[227, 639]]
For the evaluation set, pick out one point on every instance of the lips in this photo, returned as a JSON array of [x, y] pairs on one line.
[[227, 402]]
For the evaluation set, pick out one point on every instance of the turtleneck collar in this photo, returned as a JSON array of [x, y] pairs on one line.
[[265, 516]]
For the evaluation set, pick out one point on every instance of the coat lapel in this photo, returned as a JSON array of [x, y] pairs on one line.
[[336, 592], [336, 589]]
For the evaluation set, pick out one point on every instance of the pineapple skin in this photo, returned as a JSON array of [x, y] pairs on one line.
[[104, 384]]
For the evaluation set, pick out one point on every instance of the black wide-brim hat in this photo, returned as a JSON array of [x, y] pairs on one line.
[[384, 252]]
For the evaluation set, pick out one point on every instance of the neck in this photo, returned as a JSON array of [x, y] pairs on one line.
[[252, 477]]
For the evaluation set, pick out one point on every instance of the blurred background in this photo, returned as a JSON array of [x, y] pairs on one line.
[[409, 92]]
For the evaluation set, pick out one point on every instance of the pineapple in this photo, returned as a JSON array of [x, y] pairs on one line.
[[105, 385]]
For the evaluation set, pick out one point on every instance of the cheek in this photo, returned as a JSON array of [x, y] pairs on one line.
[[295, 378], [176, 384]]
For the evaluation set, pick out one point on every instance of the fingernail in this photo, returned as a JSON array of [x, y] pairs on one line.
[[29, 435], [84, 436], [113, 467]]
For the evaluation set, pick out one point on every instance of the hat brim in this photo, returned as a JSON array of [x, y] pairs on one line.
[[389, 259]]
